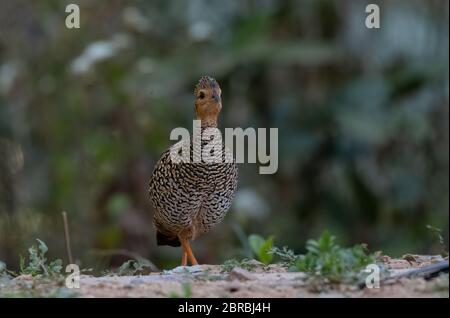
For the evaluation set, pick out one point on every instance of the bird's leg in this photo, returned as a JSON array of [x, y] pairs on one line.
[[184, 258], [188, 250]]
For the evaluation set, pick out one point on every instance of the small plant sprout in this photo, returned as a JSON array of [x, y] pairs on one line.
[[325, 259], [133, 267], [287, 256], [261, 247], [37, 264]]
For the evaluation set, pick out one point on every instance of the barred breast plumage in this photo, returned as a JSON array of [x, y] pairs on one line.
[[190, 198]]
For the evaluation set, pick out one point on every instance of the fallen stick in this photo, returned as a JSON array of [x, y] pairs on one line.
[[425, 272], [67, 237]]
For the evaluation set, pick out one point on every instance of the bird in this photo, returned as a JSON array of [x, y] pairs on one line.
[[190, 198]]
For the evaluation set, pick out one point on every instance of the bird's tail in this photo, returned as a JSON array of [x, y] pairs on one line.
[[162, 239]]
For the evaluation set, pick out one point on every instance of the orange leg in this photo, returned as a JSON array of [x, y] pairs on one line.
[[187, 249], [184, 258]]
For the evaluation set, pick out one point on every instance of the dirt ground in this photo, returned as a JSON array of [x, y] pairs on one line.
[[272, 281]]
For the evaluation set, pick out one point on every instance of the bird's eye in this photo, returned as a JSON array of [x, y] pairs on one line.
[[201, 95]]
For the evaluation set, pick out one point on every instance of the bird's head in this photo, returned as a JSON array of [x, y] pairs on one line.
[[208, 102]]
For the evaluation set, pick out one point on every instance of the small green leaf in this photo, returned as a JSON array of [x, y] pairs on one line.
[[126, 267], [55, 266], [42, 246], [287, 256], [255, 241], [264, 255], [261, 247]]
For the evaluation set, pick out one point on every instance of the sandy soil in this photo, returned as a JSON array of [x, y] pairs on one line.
[[273, 281]]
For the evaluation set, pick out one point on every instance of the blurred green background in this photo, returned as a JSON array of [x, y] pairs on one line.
[[362, 117]]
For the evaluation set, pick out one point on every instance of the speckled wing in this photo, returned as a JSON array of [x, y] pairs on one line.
[[190, 196]]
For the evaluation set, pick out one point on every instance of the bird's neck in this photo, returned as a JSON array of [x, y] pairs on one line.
[[208, 123]]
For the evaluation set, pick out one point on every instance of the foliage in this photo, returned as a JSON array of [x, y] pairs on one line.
[[261, 247], [245, 263], [287, 256], [362, 119], [131, 267], [324, 258], [47, 280], [327, 260], [37, 264]]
